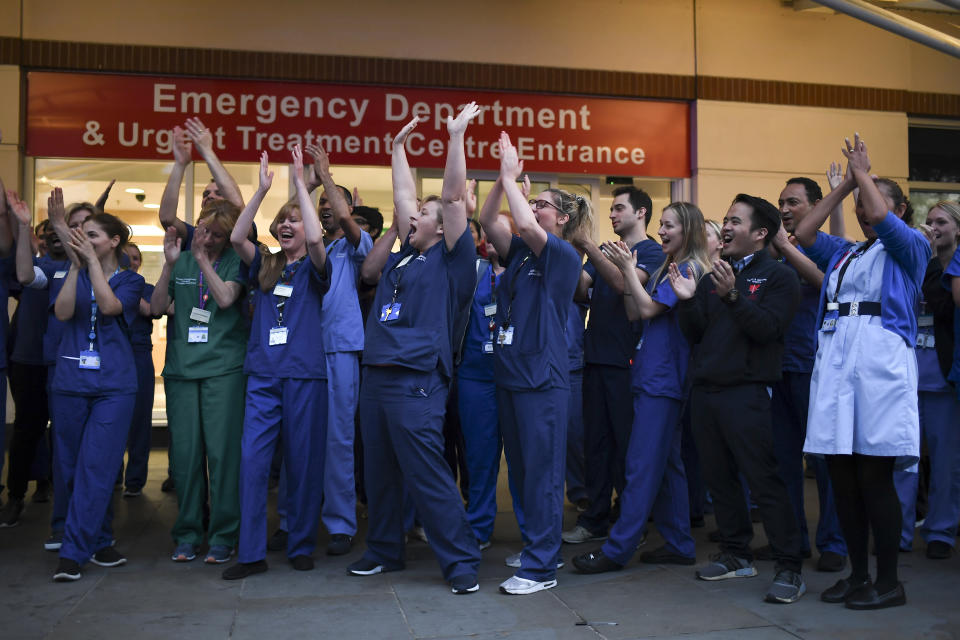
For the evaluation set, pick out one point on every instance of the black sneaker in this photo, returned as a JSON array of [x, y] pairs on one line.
[[595, 562], [10, 514], [67, 571], [168, 485], [936, 549], [302, 563], [278, 541], [42, 493], [54, 542], [339, 545], [831, 562], [663, 555], [108, 557], [461, 585], [364, 567], [243, 570]]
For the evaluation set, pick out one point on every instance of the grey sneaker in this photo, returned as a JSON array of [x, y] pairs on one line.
[[787, 587], [723, 566], [580, 534], [10, 514], [517, 586]]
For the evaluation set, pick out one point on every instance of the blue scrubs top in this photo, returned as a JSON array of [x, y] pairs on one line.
[[303, 354], [342, 321], [6, 273], [32, 314], [611, 338], [433, 290], [475, 363], [534, 299], [800, 340], [660, 368], [140, 332], [576, 318], [55, 328], [117, 373]]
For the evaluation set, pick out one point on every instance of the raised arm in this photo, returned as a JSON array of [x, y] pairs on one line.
[[102, 200], [66, 302], [498, 235], [874, 204], [238, 237], [341, 210], [838, 227], [203, 141], [806, 267], [638, 303], [453, 195], [376, 259], [510, 170], [24, 250], [308, 213], [170, 199], [160, 300], [404, 189], [58, 218], [806, 230]]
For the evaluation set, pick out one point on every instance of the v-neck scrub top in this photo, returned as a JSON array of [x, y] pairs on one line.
[[117, 373], [433, 290], [303, 355], [533, 298]]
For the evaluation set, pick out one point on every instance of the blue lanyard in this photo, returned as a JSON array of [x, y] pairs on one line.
[[93, 310]]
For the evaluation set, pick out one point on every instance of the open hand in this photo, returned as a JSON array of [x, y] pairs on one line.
[[510, 164], [458, 125], [182, 147], [321, 161], [856, 154], [171, 246], [619, 254], [82, 247], [401, 137], [266, 176], [199, 134], [723, 277], [19, 208], [683, 286]]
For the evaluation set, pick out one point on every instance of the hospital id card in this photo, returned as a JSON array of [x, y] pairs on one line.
[[830, 319], [390, 312], [89, 360], [200, 315], [278, 336], [59, 274], [505, 336], [198, 334], [488, 346], [489, 310], [283, 290]]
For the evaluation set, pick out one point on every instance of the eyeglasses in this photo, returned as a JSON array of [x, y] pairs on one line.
[[536, 205]]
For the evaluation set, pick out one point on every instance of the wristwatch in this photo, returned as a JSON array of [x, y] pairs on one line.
[[732, 296]]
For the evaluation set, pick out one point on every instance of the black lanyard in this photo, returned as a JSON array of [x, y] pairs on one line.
[[286, 277], [400, 269], [856, 254], [513, 289]]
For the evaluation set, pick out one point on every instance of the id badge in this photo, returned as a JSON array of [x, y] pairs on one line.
[[278, 335], [488, 346], [506, 336], [283, 290], [390, 312], [198, 334], [489, 310], [925, 320], [59, 274], [200, 315], [830, 321], [89, 360]]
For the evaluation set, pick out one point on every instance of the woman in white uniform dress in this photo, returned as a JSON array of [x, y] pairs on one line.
[[863, 393]]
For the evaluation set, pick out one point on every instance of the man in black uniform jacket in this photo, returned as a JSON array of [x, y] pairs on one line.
[[738, 316]]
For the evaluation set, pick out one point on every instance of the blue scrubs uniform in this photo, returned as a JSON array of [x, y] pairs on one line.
[[608, 345], [656, 481], [286, 399], [6, 269], [477, 404], [789, 406], [138, 444], [408, 363], [342, 327], [51, 344], [531, 367], [92, 409]]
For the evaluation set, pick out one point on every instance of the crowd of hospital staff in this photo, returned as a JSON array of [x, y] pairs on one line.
[[713, 360]]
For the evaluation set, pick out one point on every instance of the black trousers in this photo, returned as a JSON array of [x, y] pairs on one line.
[[731, 426], [607, 423], [28, 386]]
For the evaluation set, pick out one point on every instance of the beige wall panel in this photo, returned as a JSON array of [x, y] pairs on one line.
[[638, 35], [762, 39], [10, 104], [10, 166], [9, 18], [742, 136]]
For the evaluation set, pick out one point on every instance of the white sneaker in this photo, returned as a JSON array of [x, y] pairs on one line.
[[514, 561], [517, 586]]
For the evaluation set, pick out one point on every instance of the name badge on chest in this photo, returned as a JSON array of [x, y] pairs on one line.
[[505, 336], [489, 310], [89, 360], [925, 320], [60, 274], [198, 334], [488, 346], [200, 315], [390, 312], [283, 290], [278, 335]]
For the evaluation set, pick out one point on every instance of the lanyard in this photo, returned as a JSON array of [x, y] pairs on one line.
[[286, 277], [492, 323], [205, 296], [92, 336], [513, 288], [856, 254], [400, 269]]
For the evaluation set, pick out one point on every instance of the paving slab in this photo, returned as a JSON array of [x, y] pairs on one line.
[[374, 616]]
